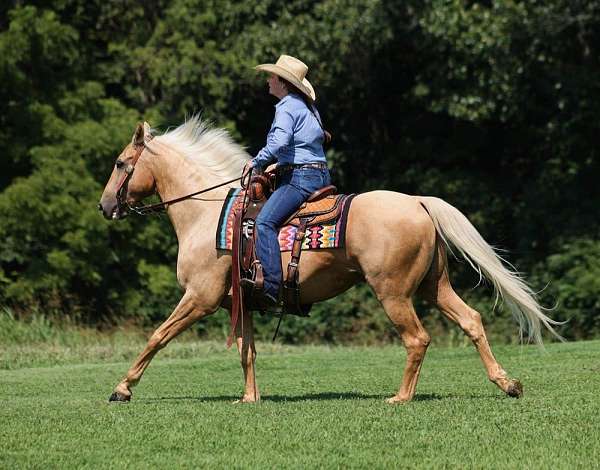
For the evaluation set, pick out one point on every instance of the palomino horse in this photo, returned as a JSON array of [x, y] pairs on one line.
[[401, 256]]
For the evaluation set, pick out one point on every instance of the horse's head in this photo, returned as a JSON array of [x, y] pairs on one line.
[[126, 186]]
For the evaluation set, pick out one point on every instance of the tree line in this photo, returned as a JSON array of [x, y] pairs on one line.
[[491, 105]]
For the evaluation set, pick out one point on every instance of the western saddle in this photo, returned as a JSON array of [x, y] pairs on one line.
[[247, 277]]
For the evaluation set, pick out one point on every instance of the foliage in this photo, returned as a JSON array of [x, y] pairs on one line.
[[489, 105], [572, 277]]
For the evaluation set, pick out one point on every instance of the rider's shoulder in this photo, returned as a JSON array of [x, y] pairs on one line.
[[295, 106], [292, 101]]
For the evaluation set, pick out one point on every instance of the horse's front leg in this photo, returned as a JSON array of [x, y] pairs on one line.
[[245, 344], [188, 311]]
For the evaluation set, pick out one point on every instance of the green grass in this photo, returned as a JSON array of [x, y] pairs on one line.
[[40, 341], [322, 407]]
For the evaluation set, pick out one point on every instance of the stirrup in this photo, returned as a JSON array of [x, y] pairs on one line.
[[247, 283], [257, 298]]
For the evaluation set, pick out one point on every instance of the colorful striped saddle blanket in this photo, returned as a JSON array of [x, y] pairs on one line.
[[325, 234]]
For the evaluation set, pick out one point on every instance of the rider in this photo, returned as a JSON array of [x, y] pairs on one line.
[[295, 143]]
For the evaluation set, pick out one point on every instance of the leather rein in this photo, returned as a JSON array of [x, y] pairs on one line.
[[147, 209]]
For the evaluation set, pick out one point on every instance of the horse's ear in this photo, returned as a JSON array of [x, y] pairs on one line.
[[138, 135], [147, 130]]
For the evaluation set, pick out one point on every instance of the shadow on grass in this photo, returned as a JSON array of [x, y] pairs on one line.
[[450, 396], [274, 398], [325, 396]]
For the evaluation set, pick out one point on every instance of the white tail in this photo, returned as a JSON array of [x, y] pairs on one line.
[[456, 230]]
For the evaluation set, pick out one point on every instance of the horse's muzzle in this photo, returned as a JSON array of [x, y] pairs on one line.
[[111, 211]]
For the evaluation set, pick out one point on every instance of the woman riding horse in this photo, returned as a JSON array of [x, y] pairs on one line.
[[295, 143], [395, 242]]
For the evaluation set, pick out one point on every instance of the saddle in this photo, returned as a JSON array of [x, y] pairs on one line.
[[321, 207]]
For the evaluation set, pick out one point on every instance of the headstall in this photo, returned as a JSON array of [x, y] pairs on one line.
[[121, 191]]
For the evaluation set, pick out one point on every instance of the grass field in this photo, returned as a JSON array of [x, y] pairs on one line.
[[322, 407]]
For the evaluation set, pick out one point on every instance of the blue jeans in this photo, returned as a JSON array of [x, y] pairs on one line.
[[294, 187]]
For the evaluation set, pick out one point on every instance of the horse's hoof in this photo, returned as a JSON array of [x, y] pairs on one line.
[[119, 397], [246, 400], [515, 389], [396, 401]]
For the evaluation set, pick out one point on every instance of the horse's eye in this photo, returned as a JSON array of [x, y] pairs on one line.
[[119, 164]]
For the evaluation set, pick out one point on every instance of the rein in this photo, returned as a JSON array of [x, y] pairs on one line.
[[161, 206]]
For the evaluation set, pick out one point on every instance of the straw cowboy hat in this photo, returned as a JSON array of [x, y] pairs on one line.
[[294, 71]]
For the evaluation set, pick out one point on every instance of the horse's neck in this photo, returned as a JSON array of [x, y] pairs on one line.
[[176, 177]]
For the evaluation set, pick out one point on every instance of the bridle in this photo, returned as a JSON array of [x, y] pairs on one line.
[[123, 183], [121, 191]]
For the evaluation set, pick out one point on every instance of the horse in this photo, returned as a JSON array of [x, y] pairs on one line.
[[402, 256]]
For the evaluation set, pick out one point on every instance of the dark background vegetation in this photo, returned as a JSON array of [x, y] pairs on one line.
[[491, 105]]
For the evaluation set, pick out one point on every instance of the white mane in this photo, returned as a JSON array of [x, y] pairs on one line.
[[210, 149]]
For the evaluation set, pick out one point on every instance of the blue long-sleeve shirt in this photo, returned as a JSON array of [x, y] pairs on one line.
[[295, 136]]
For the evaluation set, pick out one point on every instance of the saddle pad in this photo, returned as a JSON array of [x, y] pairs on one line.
[[329, 235]]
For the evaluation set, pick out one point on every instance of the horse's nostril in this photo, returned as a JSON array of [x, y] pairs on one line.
[[99, 206]]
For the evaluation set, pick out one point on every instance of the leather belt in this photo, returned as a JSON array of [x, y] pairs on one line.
[[319, 166]]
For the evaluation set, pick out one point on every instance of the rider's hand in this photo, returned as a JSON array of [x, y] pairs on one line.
[[247, 168]]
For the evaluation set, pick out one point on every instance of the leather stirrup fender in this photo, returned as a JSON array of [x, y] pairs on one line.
[[291, 288]]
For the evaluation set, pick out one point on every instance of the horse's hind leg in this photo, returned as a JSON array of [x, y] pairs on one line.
[[436, 289], [454, 308], [402, 314]]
